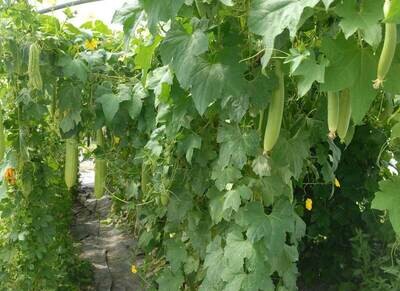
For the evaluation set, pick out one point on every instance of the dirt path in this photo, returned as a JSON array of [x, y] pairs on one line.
[[109, 249]]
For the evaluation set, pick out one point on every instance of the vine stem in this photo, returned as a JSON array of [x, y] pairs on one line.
[[116, 197], [65, 5], [383, 148], [393, 115], [253, 56], [261, 121]]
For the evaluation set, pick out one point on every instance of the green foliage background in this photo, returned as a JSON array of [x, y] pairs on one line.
[[182, 96]]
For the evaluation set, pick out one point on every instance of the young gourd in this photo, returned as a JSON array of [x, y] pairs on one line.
[[275, 112], [35, 78], [71, 162], [100, 167], [344, 114], [388, 50], [333, 114]]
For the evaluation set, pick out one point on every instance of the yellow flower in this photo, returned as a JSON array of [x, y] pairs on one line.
[[9, 176], [116, 140], [134, 269], [91, 44], [309, 204], [337, 183]]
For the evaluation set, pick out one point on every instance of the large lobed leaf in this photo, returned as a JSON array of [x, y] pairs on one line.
[[269, 18], [388, 198]]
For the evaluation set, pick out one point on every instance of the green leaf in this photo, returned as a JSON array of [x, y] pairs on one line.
[[236, 106], [224, 176], [154, 147], [73, 68], [328, 161], [188, 144], [179, 116], [70, 105], [388, 198], [180, 49], [191, 265], [273, 187], [353, 68], [168, 281], [253, 217], [214, 262], [199, 224], [336, 155], [308, 71], [395, 131], [124, 93], [269, 18], [207, 84], [292, 153], [362, 93], [282, 221], [236, 145], [261, 166], [176, 254], [236, 250], [232, 200], [261, 89], [110, 105], [145, 53], [236, 283], [70, 121], [394, 12], [259, 271], [224, 77], [178, 207], [217, 200], [344, 63], [97, 26], [392, 84], [245, 192], [160, 11], [129, 15], [160, 80], [136, 103], [363, 16], [69, 98], [110, 102], [49, 24]]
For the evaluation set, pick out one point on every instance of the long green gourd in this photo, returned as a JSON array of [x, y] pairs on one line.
[[35, 78], [333, 114], [71, 162], [388, 50], [275, 112], [344, 114], [100, 167]]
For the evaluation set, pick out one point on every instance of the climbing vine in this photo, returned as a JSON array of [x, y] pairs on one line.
[[239, 138]]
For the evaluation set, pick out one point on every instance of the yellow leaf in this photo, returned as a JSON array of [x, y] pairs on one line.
[[134, 269], [337, 183], [309, 204]]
